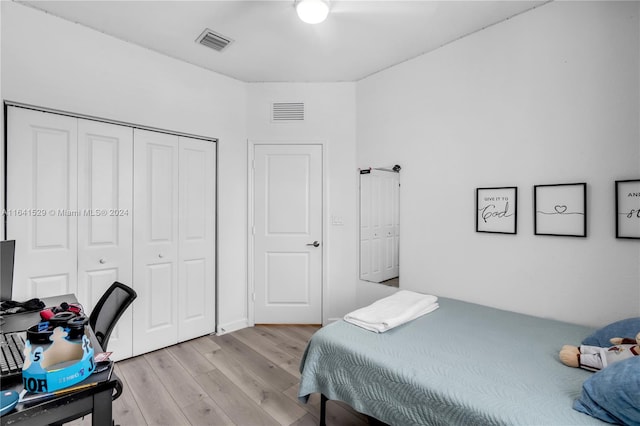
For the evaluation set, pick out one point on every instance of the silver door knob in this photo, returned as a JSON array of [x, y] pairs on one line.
[[102, 261], [160, 255], [315, 244]]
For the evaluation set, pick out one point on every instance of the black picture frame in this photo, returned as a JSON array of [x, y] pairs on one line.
[[560, 209], [497, 210], [627, 208]]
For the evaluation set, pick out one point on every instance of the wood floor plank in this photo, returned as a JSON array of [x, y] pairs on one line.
[[269, 349], [312, 405], [252, 360], [179, 383], [304, 331], [292, 333], [292, 346], [292, 367], [191, 358], [233, 401], [307, 420], [235, 366], [265, 347], [155, 402], [206, 412], [205, 347]]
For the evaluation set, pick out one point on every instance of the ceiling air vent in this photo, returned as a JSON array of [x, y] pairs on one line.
[[283, 112], [214, 40]]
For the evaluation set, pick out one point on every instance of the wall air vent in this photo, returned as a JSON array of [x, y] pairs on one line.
[[283, 112], [214, 40]]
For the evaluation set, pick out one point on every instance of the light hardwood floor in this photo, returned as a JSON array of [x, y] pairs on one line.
[[246, 378]]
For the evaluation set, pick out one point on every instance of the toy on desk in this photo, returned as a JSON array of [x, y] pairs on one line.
[[60, 364]]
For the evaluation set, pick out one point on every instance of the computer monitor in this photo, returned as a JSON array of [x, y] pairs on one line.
[[7, 253]]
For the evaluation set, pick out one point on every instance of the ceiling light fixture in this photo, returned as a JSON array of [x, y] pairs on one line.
[[312, 11]]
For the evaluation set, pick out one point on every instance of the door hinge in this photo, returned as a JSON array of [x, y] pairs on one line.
[[253, 297]]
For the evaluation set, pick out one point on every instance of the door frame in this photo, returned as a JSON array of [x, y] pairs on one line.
[[251, 144]]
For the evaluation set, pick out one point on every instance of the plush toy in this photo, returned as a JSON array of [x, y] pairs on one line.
[[594, 358]]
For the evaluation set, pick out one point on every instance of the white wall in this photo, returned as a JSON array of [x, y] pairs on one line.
[[549, 96], [330, 117], [53, 63]]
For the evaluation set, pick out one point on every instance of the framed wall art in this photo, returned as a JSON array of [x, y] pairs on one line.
[[628, 208], [560, 209], [496, 210]]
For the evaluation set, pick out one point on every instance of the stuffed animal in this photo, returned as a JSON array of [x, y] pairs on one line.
[[594, 358]]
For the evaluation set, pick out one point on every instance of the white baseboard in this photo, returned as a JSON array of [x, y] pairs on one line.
[[232, 326]]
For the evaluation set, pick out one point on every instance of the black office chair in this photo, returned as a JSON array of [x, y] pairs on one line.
[[103, 319], [108, 311]]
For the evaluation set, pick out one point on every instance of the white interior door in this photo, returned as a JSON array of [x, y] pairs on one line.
[[155, 224], [105, 220], [287, 222], [196, 270], [42, 201]]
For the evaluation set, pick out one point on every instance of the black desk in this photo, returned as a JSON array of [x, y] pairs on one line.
[[96, 400]]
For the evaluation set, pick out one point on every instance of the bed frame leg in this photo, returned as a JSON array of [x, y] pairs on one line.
[[323, 409]]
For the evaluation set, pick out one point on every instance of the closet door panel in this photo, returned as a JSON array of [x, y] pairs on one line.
[[155, 257], [379, 225], [105, 221], [196, 298], [42, 202], [389, 190]]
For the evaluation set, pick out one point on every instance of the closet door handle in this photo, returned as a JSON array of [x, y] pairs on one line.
[[315, 244], [102, 261]]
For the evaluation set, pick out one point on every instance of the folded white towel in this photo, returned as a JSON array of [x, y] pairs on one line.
[[392, 311]]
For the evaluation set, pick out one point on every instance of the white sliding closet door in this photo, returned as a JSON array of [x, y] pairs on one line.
[[105, 241], [41, 201], [155, 224], [90, 203], [196, 269]]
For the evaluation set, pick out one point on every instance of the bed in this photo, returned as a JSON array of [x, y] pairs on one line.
[[462, 364]]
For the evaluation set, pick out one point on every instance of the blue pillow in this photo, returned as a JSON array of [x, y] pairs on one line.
[[613, 394], [624, 328]]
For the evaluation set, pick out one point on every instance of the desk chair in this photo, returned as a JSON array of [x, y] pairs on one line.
[[109, 309], [105, 316], [107, 312]]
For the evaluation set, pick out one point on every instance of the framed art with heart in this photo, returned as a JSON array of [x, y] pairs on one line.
[[628, 208], [560, 209]]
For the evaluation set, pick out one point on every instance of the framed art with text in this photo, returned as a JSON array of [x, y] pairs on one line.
[[560, 209], [628, 208], [496, 210]]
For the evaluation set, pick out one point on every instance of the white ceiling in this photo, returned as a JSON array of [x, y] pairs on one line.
[[271, 44]]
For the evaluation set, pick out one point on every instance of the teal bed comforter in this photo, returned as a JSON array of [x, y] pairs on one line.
[[463, 364]]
